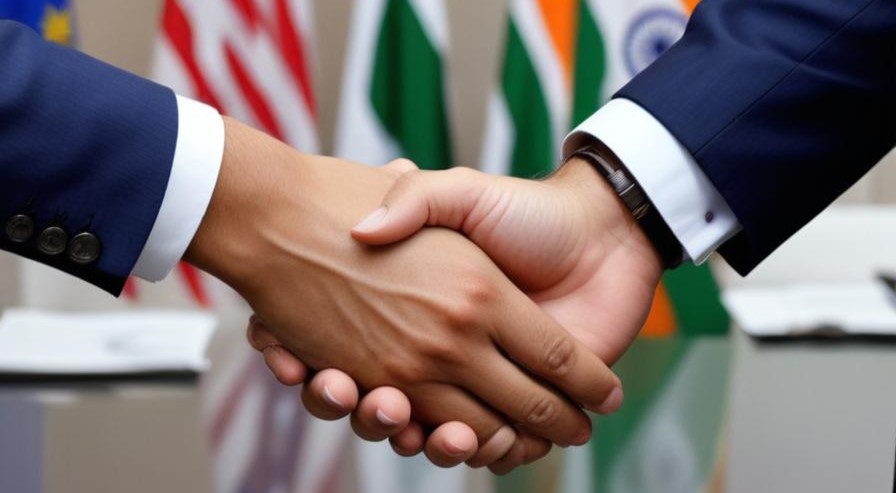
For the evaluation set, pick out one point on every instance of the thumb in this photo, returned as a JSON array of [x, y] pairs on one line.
[[421, 198]]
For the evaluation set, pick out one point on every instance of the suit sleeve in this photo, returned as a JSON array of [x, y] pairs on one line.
[[784, 104], [86, 154]]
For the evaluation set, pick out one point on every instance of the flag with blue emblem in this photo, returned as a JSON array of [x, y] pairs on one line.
[[51, 18], [562, 60]]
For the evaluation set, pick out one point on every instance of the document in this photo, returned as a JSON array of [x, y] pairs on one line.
[[828, 309], [39, 342]]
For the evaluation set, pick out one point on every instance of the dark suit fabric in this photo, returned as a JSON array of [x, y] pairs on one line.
[[783, 103], [83, 146]]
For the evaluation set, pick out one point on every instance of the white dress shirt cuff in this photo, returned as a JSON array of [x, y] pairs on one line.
[[673, 181], [194, 172]]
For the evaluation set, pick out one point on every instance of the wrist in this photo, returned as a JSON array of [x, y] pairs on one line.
[[226, 243], [274, 207], [598, 197], [611, 169]]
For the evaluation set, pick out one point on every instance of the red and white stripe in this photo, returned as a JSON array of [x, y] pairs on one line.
[[250, 60], [247, 58]]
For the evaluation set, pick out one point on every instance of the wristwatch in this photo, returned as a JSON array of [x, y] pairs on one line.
[[649, 219]]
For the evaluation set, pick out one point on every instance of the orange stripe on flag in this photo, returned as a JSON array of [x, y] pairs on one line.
[[661, 320], [689, 5], [561, 17]]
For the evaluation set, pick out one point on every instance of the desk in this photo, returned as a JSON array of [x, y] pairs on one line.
[[812, 416], [95, 437]]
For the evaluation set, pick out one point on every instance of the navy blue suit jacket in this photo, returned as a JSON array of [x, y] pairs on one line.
[[783, 103], [83, 146]]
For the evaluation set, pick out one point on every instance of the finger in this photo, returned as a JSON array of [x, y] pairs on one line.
[[494, 448], [409, 441], [288, 369], [382, 413], [540, 344], [330, 395], [442, 403], [451, 440], [527, 402], [451, 444], [258, 335], [443, 198], [525, 450], [285, 367]]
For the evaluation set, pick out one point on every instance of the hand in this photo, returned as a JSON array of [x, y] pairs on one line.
[[382, 413], [432, 317], [568, 241]]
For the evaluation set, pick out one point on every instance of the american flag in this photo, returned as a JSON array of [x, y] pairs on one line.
[[250, 60]]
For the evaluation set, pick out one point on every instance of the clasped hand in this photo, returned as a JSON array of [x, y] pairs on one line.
[[565, 242], [430, 325]]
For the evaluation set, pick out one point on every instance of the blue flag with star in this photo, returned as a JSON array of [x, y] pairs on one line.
[[52, 19]]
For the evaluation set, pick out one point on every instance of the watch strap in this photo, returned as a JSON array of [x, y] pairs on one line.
[[636, 201]]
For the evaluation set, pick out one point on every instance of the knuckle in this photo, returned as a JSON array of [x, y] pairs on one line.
[[468, 308], [408, 180], [445, 353], [462, 314], [558, 357], [404, 164], [462, 172], [541, 412]]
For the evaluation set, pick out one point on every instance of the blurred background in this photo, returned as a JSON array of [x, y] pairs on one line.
[[493, 84]]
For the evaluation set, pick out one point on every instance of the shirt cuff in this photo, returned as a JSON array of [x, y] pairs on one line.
[[696, 213], [194, 172]]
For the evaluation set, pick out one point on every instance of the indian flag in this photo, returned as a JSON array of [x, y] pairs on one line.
[[562, 60], [393, 94]]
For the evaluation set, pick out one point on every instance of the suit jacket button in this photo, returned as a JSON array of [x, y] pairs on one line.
[[84, 248], [52, 241], [20, 228]]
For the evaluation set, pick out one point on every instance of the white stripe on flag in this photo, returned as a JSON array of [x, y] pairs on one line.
[[167, 69], [432, 16], [614, 20], [530, 24], [262, 60], [499, 135], [359, 134]]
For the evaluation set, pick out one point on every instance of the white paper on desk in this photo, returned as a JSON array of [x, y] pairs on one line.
[[807, 309], [56, 343]]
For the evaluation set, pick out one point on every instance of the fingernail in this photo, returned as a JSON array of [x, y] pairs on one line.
[[331, 399], [612, 403], [383, 419], [373, 220], [583, 438], [453, 449]]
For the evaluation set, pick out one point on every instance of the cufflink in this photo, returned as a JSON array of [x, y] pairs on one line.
[[19, 228], [84, 248], [52, 241]]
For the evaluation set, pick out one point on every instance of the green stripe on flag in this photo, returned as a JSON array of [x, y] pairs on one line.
[[695, 297], [590, 68], [408, 89], [532, 147]]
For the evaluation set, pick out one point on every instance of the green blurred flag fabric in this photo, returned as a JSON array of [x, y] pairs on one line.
[[673, 413]]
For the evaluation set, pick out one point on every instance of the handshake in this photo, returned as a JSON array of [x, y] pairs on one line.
[[471, 316]]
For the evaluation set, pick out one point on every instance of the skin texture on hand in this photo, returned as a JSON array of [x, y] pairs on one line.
[[432, 317], [568, 241]]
